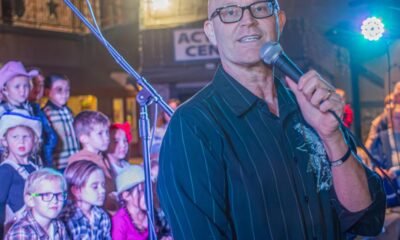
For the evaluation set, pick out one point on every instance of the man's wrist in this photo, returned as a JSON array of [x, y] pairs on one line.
[[335, 146]]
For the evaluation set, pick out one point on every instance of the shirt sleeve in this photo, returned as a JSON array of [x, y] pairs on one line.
[[107, 227], [18, 234], [49, 138], [6, 181], [368, 222], [192, 184], [118, 231]]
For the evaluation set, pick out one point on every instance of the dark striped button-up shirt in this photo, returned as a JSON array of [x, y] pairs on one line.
[[230, 169]]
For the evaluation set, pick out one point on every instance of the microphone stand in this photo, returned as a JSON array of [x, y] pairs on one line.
[[145, 97]]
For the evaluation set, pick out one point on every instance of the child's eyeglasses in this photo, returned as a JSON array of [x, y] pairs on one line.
[[49, 196]]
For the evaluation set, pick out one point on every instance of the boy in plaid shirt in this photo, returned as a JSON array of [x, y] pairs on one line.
[[61, 118], [44, 194]]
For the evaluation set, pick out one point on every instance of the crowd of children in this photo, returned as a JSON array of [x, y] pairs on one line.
[[65, 177]]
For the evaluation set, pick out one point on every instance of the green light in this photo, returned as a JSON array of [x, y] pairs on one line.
[[372, 28]]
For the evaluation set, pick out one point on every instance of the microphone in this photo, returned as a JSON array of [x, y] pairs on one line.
[[272, 54]]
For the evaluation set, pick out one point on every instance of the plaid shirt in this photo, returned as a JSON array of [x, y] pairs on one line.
[[61, 119], [79, 227], [28, 229]]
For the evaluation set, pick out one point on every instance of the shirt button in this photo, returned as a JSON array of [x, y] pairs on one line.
[[306, 199]]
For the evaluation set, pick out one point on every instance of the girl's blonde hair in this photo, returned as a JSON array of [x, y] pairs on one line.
[[34, 156], [78, 173], [45, 174]]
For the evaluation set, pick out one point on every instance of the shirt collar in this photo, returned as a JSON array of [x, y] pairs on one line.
[[236, 96], [35, 225], [78, 214], [240, 100], [51, 104]]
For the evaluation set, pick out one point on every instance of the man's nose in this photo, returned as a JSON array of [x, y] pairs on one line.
[[247, 18]]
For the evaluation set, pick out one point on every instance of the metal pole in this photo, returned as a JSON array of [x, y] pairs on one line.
[[355, 87]]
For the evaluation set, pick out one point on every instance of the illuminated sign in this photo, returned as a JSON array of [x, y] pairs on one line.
[[193, 44]]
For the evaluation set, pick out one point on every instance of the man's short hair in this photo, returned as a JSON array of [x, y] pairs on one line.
[[45, 174], [86, 120]]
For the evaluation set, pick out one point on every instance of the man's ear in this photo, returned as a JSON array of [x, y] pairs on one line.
[[280, 23], [209, 30]]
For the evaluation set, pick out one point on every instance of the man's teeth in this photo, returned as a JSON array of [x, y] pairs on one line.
[[249, 39]]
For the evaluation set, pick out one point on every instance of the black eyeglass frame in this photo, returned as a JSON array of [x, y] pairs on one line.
[[63, 195], [217, 11]]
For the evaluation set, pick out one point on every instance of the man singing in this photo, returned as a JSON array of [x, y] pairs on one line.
[[251, 158]]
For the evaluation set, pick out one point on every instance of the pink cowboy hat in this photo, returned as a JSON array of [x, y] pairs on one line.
[[13, 69]]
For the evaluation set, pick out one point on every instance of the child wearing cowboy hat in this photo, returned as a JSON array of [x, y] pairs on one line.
[[130, 222], [19, 136], [15, 87]]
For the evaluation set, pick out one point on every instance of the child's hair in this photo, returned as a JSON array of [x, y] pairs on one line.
[[161, 119], [85, 120], [78, 173], [34, 179], [52, 78], [140, 189]]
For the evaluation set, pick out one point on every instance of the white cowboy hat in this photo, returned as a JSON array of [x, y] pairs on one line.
[[19, 117], [129, 177]]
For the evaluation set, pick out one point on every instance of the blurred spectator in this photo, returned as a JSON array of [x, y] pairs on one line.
[[161, 128], [37, 89], [380, 123], [386, 149], [348, 115]]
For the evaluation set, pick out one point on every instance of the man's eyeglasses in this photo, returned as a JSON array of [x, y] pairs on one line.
[[49, 196], [234, 13]]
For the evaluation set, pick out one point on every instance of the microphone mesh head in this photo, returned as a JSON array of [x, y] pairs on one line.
[[270, 52]]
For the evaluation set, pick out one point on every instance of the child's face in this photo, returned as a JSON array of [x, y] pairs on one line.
[[94, 191], [37, 90], [17, 90], [119, 144], [48, 200], [136, 197], [98, 138], [59, 92], [19, 141]]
